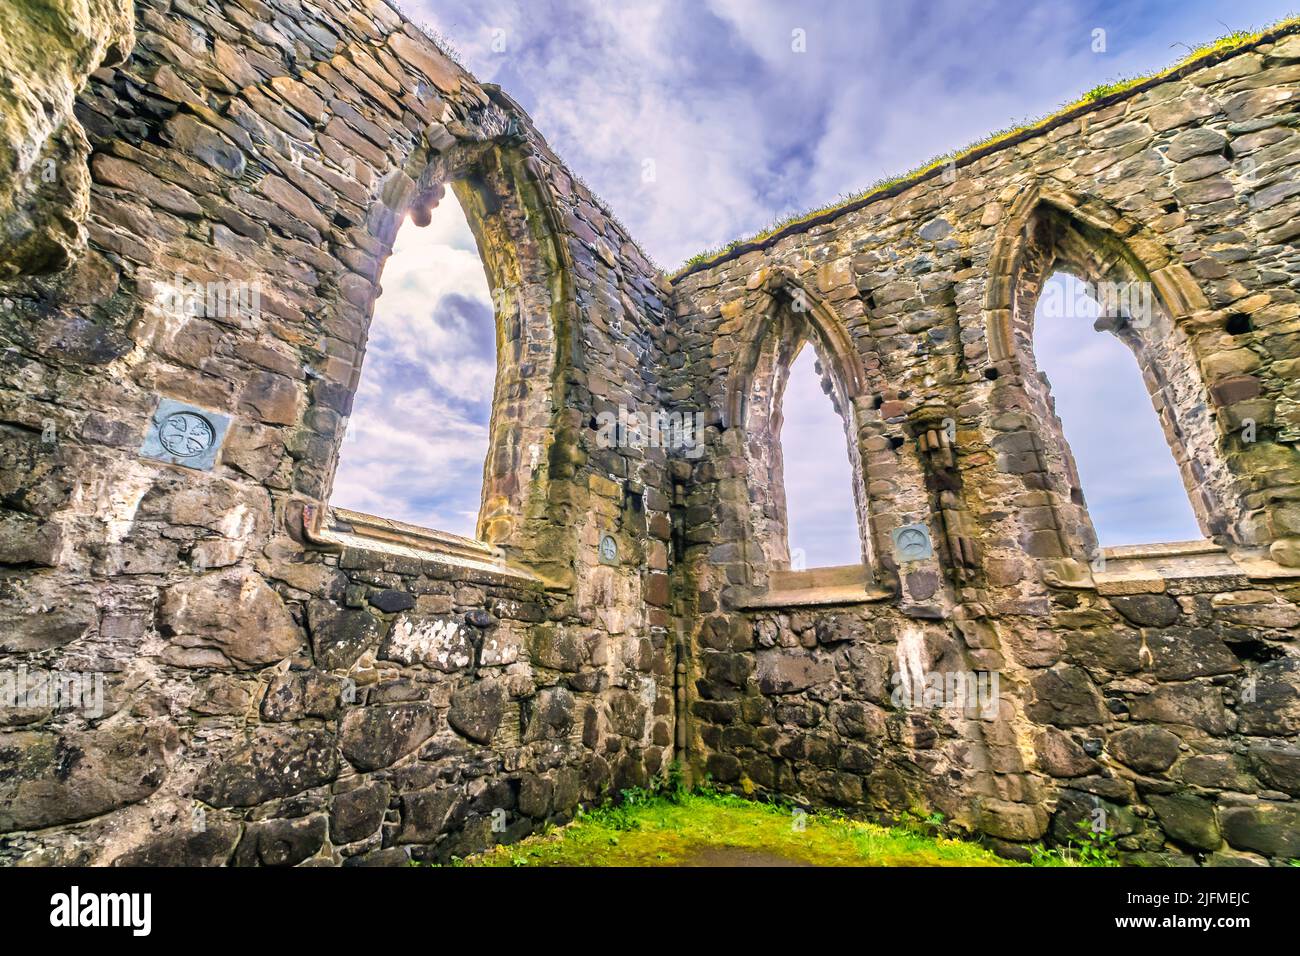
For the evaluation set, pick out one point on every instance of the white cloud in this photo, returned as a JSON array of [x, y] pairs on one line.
[[418, 434]]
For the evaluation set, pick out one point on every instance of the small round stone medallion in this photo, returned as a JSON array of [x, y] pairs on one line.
[[186, 434], [912, 543]]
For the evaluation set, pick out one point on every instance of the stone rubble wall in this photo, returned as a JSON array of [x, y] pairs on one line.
[[1167, 698], [267, 698]]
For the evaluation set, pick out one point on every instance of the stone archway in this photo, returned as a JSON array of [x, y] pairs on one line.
[[512, 217], [1049, 231]]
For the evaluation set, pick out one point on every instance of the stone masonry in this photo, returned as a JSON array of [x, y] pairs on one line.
[[185, 308]]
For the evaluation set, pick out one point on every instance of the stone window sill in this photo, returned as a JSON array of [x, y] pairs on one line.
[[1148, 566], [347, 530], [817, 587]]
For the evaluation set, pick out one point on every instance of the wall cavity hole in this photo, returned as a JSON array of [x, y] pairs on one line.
[[991, 374], [1255, 651], [1238, 324]]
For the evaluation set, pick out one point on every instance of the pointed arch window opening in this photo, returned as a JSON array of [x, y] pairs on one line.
[[418, 439], [1106, 401], [822, 520]]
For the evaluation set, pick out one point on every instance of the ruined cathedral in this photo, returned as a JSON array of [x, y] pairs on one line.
[[204, 663]]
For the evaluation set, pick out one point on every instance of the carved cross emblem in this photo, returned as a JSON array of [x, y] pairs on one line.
[[185, 434]]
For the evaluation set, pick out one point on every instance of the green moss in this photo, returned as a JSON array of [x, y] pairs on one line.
[[707, 828], [1218, 47]]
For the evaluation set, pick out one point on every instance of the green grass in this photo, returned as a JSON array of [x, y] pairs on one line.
[[1223, 44], [699, 828]]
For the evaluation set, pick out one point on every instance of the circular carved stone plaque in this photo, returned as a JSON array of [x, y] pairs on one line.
[[186, 434], [912, 543]]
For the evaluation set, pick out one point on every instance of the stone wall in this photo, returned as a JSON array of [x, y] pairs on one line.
[[1161, 689], [283, 685], [271, 695]]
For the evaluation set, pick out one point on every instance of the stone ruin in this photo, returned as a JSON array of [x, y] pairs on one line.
[[197, 200]]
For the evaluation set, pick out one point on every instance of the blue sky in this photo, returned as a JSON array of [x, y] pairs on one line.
[[738, 128], [1130, 480]]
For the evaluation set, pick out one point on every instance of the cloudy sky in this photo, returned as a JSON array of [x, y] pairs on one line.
[[417, 437], [740, 128]]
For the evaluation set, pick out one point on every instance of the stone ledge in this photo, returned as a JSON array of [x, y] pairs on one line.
[[355, 532], [1145, 568], [845, 584]]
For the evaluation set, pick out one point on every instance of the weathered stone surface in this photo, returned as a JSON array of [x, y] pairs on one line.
[[1064, 696], [425, 813], [212, 845], [1146, 749], [1187, 819], [1224, 771], [281, 842], [476, 710], [441, 643], [534, 795], [227, 619], [1195, 705], [53, 778], [341, 635], [1147, 610], [1060, 756], [376, 737], [271, 763], [1012, 821], [549, 715], [37, 616], [392, 856], [49, 51], [25, 539], [1118, 649], [1269, 828], [1195, 142], [1277, 765], [357, 814], [787, 672], [300, 694], [1180, 653], [390, 601], [557, 648], [1270, 704]]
